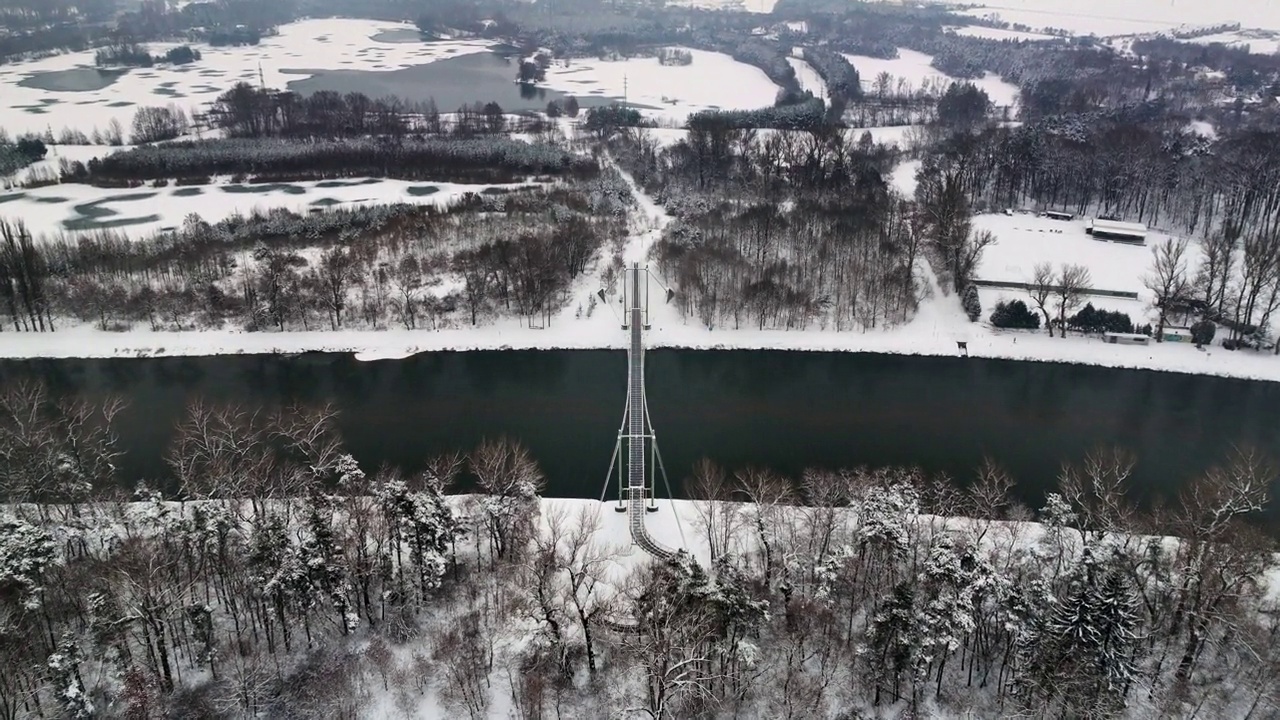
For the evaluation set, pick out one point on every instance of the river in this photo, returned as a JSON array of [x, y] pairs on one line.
[[783, 410]]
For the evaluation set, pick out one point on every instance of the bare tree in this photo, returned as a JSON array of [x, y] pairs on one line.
[[766, 491], [511, 482], [1098, 490], [1168, 278], [1073, 284], [1042, 285], [335, 274], [988, 498], [970, 254], [718, 515]]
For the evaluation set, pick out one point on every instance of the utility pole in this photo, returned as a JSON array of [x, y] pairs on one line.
[[624, 91]]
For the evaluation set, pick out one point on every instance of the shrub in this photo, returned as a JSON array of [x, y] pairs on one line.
[[972, 304], [1202, 332], [1092, 320], [1014, 315]]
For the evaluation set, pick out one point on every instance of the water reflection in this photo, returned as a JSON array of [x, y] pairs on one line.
[[782, 410]]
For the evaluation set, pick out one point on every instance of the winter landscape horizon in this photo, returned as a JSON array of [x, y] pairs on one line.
[[412, 223]]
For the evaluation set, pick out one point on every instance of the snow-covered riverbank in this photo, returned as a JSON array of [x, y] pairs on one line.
[[936, 330], [928, 336]]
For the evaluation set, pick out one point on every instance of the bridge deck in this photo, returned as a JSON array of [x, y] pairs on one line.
[[636, 421]]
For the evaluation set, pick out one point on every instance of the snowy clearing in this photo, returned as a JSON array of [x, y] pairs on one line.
[[903, 177], [141, 211], [1022, 240], [307, 45], [808, 77], [915, 68], [1119, 17], [713, 81]]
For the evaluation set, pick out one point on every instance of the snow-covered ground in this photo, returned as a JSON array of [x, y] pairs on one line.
[[903, 178], [1022, 241], [936, 329], [1252, 42], [1000, 34], [914, 67], [1204, 129], [48, 167], [714, 80], [1120, 17], [142, 211], [808, 77], [307, 45]]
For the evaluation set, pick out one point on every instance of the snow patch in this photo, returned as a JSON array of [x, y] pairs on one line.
[[713, 81]]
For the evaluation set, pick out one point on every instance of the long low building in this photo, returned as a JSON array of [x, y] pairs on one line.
[[1119, 231]]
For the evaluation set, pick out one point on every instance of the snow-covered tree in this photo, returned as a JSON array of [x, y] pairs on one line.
[[68, 684], [26, 551], [1080, 655]]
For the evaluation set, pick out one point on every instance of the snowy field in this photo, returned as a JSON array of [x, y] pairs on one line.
[[145, 210], [1252, 42], [331, 44], [914, 68], [1121, 17], [1024, 240], [713, 81]]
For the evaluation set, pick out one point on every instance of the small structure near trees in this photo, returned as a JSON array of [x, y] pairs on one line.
[[1117, 338], [1135, 233]]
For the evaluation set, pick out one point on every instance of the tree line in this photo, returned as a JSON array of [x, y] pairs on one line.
[[478, 160], [288, 580]]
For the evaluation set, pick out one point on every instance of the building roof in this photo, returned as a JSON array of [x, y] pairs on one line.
[[1119, 228]]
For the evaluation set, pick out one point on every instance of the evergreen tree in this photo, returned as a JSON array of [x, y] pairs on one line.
[[64, 667], [972, 304], [893, 641], [1081, 656]]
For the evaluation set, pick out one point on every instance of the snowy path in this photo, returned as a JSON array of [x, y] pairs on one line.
[[647, 222]]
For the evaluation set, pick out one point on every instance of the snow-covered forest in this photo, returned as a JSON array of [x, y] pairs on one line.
[[287, 581], [779, 230]]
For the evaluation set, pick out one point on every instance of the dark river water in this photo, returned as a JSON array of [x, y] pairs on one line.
[[784, 410]]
